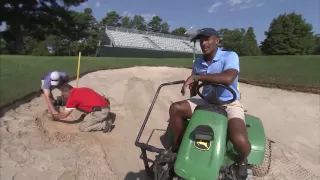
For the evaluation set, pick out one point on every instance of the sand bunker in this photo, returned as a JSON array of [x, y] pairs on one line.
[[33, 147]]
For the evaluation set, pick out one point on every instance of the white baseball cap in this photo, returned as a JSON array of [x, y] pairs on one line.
[[55, 78]]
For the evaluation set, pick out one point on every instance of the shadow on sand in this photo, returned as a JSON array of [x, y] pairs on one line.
[[142, 174]]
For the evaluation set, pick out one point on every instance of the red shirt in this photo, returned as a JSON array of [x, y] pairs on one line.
[[85, 99]]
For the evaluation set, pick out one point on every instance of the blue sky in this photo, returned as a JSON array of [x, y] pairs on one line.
[[216, 13]]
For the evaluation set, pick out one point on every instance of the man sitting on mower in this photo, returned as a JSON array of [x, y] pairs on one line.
[[216, 66]]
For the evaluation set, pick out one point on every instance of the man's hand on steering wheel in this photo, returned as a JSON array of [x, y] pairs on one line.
[[187, 83]]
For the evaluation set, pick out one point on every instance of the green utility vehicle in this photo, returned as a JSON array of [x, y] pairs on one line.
[[205, 151]]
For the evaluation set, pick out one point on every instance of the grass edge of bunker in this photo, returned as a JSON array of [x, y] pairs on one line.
[[207, 126], [282, 72]]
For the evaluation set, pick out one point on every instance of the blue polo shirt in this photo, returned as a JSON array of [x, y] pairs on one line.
[[222, 61]]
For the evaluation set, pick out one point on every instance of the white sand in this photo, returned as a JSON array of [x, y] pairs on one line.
[[33, 147]]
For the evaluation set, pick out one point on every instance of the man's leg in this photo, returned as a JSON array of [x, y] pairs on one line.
[[95, 121], [177, 112], [238, 135]]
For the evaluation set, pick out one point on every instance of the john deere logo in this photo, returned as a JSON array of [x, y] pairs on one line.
[[202, 145]]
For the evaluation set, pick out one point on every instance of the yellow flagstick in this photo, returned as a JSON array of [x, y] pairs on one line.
[[78, 70]]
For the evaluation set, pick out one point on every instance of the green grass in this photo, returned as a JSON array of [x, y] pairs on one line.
[[21, 75], [286, 70]]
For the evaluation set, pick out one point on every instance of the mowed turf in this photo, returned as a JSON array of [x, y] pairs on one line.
[[284, 70], [21, 75]]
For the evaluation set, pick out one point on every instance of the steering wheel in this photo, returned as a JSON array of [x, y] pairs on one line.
[[215, 100]]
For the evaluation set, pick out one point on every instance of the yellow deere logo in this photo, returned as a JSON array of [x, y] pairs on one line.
[[202, 145]]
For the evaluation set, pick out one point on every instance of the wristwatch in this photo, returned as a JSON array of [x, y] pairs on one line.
[[195, 78]]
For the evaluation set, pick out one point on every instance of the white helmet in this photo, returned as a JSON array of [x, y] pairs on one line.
[[55, 78]]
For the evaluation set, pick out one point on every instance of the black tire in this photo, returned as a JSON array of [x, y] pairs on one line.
[[177, 178], [162, 175], [264, 168]]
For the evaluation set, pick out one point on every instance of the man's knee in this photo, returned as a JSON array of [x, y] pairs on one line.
[[83, 129], [92, 127], [83, 125], [238, 138], [180, 108], [86, 126]]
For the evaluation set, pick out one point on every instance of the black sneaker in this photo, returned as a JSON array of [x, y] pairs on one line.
[[241, 171], [107, 126]]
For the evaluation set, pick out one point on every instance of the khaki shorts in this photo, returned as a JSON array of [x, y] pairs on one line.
[[94, 121], [234, 109]]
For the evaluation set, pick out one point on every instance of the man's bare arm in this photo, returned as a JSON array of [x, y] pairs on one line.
[[227, 77], [48, 97], [63, 115], [193, 89]]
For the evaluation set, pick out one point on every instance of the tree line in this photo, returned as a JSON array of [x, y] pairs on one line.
[[50, 28]]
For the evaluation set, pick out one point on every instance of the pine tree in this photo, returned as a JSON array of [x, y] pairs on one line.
[[250, 45]]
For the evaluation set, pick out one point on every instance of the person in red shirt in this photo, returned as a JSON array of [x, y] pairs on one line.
[[95, 106]]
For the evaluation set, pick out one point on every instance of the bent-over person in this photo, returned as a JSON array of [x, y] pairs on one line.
[[95, 106], [51, 80]]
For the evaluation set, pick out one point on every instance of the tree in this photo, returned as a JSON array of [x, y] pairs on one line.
[[92, 33], [288, 34], [91, 45], [164, 28], [317, 44], [88, 11], [29, 44], [80, 36], [138, 22], [3, 46], [179, 31], [155, 24], [233, 40], [222, 31], [112, 18], [48, 47], [126, 22], [250, 45], [21, 13]]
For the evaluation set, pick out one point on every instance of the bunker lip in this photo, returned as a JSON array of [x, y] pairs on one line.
[[303, 89], [28, 97], [130, 92]]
